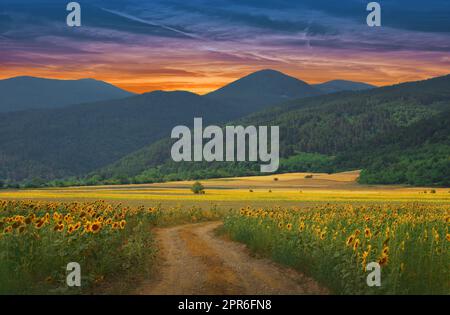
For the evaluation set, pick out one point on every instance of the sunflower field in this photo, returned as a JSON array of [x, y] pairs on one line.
[[39, 239], [334, 244]]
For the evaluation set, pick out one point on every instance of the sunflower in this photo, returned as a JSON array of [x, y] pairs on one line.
[[8, 230], [365, 254], [68, 218], [39, 224], [367, 233], [350, 240], [448, 237], [56, 216], [383, 260], [88, 227], [96, 226], [289, 226], [122, 224], [356, 244], [59, 227], [71, 229], [364, 260], [280, 225]]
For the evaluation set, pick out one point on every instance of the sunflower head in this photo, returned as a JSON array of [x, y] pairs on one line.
[[71, 229], [383, 260], [95, 228], [367, 233], [8, 230], [39, 224], [59, 227], [350, 240]]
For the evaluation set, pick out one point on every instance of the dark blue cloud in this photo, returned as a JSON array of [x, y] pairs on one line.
[[18, 14], [415, 15]]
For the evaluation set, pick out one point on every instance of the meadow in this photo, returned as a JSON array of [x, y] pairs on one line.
[[326, 226]]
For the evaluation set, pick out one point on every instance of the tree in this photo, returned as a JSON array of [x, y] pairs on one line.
[[198, 188]]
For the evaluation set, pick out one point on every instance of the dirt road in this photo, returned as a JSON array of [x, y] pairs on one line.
[[195, 261]]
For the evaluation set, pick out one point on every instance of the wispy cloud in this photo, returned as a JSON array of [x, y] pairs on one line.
[[202, 44]]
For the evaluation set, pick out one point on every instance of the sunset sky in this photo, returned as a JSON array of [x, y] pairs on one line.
[[200, 45]]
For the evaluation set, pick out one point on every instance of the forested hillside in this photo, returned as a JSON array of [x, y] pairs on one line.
[[46, 144], [396, 134]]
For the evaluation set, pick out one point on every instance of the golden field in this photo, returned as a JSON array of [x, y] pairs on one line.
[[287, 190]]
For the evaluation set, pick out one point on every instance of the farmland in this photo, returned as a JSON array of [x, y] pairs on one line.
[[284, 190], [326, 227]]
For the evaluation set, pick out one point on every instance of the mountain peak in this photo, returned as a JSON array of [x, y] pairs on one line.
[[270, 74], [261, 89]]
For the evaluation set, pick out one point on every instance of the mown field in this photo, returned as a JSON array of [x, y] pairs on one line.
[[326, 226], [274, 190]]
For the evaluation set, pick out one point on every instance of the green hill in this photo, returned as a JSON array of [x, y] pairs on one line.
[[40, 145], [72, 141], [342, 131]]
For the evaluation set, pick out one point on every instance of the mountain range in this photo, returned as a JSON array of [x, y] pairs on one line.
[[21, 93], [259, 89], [396, 134], [127, 139]]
